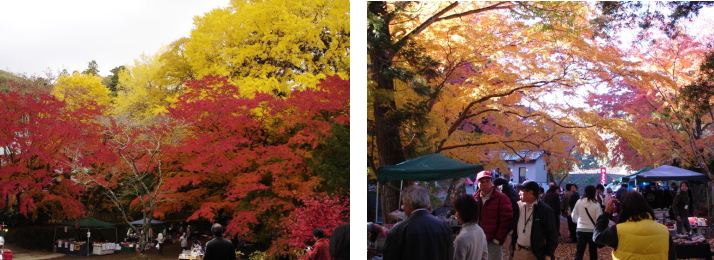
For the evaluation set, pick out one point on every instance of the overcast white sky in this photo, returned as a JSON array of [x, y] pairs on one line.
[[40, 34]]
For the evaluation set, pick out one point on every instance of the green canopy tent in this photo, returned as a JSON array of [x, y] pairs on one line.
[[431, 167], [88, 223]]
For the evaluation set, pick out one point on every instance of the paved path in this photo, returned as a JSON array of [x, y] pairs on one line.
[[25, 254]]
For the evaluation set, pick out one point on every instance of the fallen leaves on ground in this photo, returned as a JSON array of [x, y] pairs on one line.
[[566, 249]]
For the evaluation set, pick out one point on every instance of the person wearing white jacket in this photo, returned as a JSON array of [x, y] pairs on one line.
[[585, 206]]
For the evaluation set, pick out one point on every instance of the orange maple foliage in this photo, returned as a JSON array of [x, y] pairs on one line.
[[246, 157]]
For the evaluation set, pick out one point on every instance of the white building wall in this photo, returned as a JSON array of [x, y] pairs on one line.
[[541, 173], [535, 170]]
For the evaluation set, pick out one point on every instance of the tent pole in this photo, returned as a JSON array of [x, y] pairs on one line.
[[401, 186]]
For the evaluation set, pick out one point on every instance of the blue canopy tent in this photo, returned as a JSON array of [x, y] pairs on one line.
[[670, 173], [432, 167], [141, 222], [627, 178]]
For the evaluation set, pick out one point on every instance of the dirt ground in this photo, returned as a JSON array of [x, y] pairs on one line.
[[566, 250], [171, 251]]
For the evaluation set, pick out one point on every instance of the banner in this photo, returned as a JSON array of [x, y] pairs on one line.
[[603, 175]]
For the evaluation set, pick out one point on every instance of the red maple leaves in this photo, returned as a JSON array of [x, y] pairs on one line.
[[36, 142], [246, 158]]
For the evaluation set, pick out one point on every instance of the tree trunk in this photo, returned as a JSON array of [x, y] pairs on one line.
[[390, 200], [388, 141], [456, 188]]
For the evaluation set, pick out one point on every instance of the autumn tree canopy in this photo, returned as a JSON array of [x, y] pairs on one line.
[[262, 45], [670, 111], [129, 164], [34, 177], [480, 80], [81, 90], [250, 161]]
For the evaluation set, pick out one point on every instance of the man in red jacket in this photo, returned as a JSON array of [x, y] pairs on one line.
[[496, 214]]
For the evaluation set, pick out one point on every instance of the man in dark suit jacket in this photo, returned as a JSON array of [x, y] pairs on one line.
[[421, 235], [219, 248], [534, 235]]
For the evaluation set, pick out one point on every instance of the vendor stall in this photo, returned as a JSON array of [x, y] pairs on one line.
[[194, 254], [72, 247], [671, 173], [433, 167], [692, 246], [128, 246], [105, 248]]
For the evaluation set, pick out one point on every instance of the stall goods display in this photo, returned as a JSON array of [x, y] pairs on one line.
[[685, 239]]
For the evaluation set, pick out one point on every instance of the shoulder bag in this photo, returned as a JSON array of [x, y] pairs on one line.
[[593, 221]]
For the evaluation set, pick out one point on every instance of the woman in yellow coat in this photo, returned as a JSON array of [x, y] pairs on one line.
[[637, 236]]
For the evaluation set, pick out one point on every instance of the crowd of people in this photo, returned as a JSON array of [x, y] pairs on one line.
[[503, 222], [335, 247]]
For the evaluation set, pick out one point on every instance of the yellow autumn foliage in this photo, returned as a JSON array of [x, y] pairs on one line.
[[144, 90], [272, 46], [81, 90], [516, 77]]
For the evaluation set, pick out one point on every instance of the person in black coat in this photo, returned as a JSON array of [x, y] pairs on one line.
[[509, 191], [219, 248], [340, 243], [534, 224], [512, 194], [569, 199], [421, 235], [552, 198]]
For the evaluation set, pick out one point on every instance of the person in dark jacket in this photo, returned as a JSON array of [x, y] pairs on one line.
[[621, 191], [681, 206], [219, 248], [340, 243], [600, 195], [669, 195], [534, 235], [650, 196], [552, 198], [512, 194], [421, 235], [495, 214], [569, 199]]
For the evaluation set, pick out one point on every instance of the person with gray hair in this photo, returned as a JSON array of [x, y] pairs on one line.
[[219, 248], [421, 235]]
